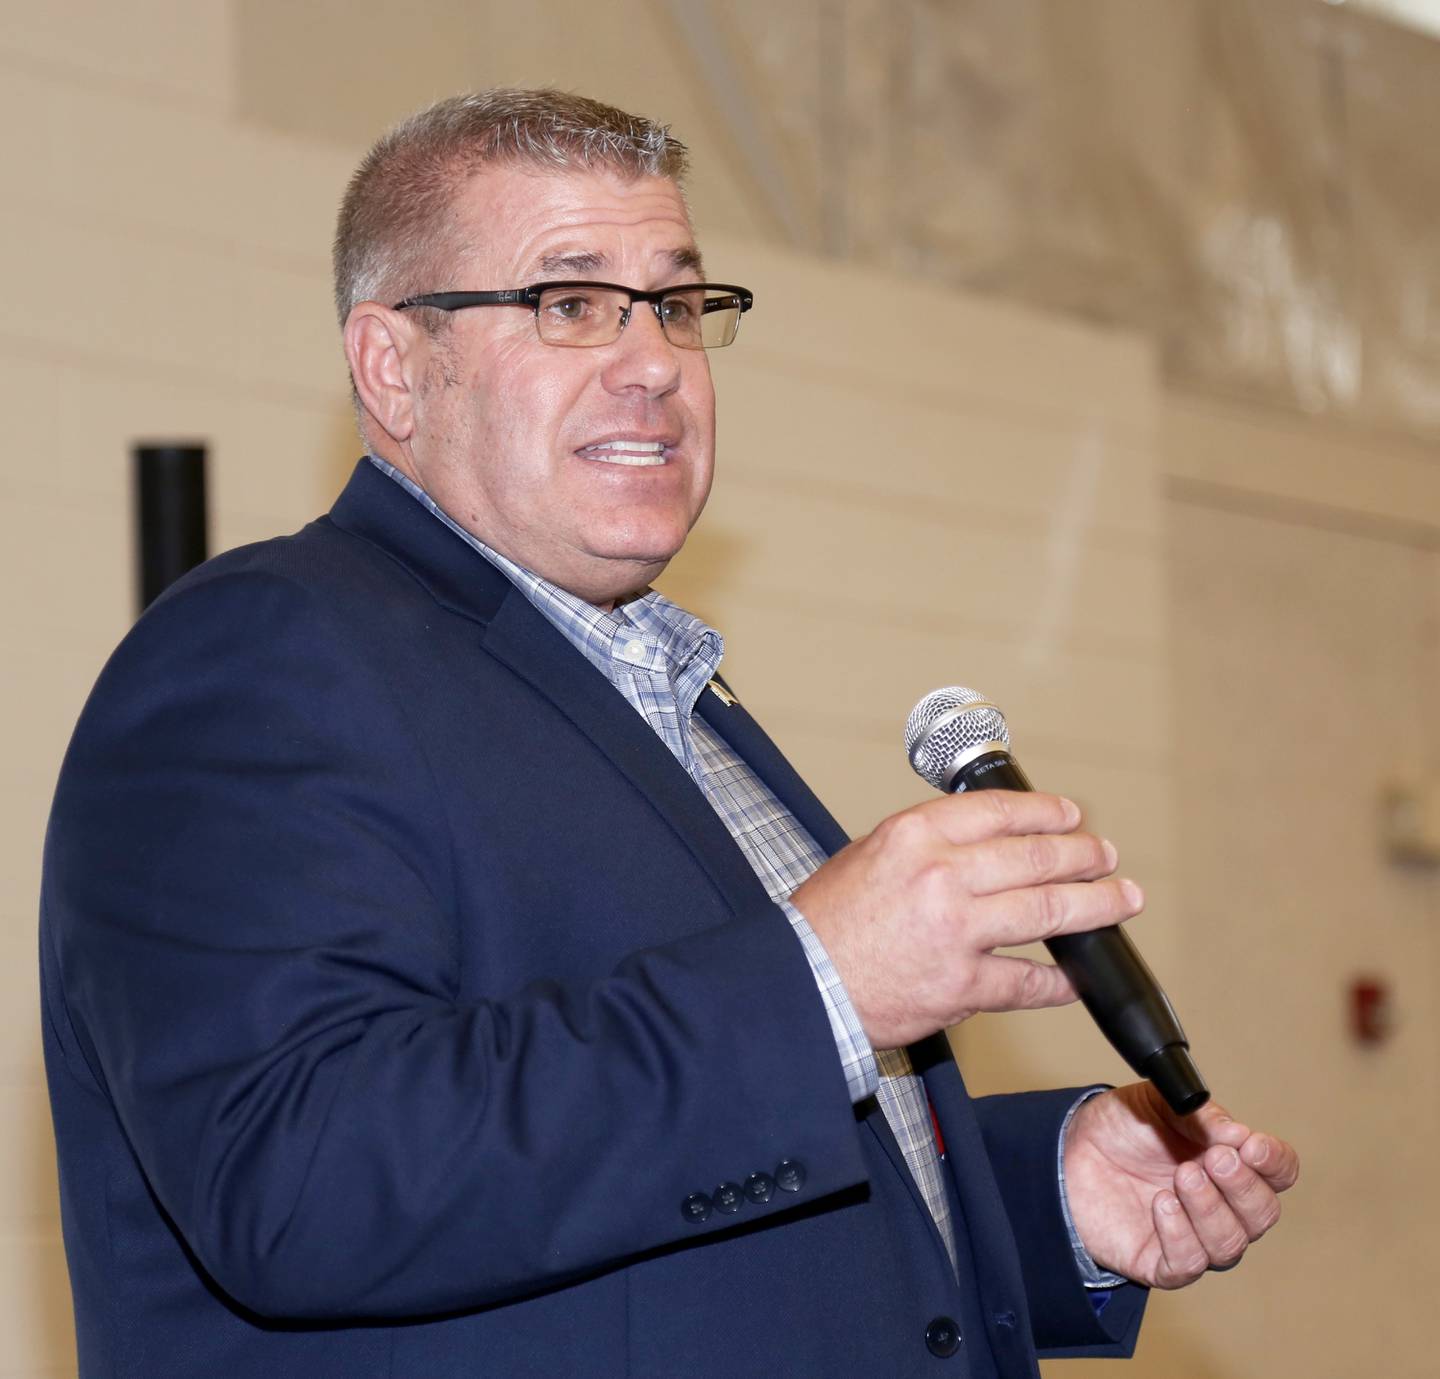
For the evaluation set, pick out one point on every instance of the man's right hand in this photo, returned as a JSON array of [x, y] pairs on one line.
[[911, 914]]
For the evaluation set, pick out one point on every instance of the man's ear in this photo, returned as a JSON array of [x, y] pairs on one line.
[[381, 346]]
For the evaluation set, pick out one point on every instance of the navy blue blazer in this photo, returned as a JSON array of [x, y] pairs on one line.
[[400, 988]]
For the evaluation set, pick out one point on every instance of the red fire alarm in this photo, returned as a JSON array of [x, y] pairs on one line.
[[1371, 1017]]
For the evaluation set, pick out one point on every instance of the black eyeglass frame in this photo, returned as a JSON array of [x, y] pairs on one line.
[[735, 297]]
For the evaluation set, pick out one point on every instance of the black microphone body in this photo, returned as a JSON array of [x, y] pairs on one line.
[[1118, 990]]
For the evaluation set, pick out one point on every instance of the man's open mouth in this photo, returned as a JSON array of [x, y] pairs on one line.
[[630, 452]]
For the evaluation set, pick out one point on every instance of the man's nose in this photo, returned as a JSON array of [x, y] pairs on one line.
[[642, 357]]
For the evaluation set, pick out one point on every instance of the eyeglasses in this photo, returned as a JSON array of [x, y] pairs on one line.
[[694, 316]]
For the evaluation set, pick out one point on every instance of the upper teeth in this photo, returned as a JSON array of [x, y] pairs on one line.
[[628, 452]]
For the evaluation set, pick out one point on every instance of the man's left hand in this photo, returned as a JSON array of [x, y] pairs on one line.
[[1161, 1198]]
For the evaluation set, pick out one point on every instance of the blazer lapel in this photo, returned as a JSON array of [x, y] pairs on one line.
[[376, 509], [756, 750], [529, 645]]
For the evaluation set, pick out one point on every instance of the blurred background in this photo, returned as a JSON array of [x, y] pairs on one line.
[[1095, 363]]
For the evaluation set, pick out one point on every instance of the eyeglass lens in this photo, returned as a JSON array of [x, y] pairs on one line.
[[596, 315]]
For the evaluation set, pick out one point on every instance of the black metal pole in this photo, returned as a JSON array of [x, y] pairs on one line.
[[170, 514]]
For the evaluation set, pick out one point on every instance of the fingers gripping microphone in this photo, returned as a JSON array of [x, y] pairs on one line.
[[958, 741]]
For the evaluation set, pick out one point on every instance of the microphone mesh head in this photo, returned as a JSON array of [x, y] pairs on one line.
[[947, 722]]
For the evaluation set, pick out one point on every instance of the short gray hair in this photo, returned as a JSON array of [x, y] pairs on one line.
[[395, 225]]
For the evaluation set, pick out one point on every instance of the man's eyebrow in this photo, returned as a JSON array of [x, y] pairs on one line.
[[580, 262], [688, 260]]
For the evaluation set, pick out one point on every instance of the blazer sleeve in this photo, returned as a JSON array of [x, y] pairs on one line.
[[1022, 1137], [248, 880]]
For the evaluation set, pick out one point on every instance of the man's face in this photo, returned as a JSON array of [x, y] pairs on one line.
[[506, 428]]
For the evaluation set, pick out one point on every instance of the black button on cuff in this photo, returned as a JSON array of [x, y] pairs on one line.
[[695, 1208], [729, 1198], [790, 1176], [759, 1187], [942, 1337]]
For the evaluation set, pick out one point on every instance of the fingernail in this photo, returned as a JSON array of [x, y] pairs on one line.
[[1190, 1177], [1072, 812], [1169, 1203], [1133, 894], [1259, 1153], [1226, 1162], [1111, 856]]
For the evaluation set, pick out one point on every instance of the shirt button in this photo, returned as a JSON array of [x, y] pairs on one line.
[[759, 1187], [728, 1198], [634, 651], [695, 1208], [790, 1176], [942, 1337]]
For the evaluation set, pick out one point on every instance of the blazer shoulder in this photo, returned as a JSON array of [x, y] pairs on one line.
[[321, 557], [320, 573]]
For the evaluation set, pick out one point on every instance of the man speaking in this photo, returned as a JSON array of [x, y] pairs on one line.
[[444, 976]]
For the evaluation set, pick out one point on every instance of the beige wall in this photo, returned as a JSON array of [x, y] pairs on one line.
[[909, 496]]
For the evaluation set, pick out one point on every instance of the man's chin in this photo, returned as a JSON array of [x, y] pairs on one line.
[[643, 554], [625, 577]]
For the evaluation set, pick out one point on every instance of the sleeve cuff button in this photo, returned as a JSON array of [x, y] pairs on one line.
[[696, 1208], [790, 1176], [728, 1198]]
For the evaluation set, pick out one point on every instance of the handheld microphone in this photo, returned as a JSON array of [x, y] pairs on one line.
[[957, 740]]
